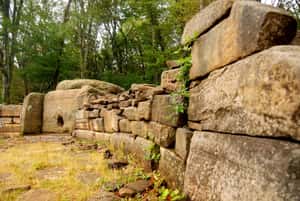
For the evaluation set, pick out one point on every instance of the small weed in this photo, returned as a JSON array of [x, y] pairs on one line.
[[153, 153], [170, 195]]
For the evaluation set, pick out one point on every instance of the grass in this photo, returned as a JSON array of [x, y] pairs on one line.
[[25, 161]]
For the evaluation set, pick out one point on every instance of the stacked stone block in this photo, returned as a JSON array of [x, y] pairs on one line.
[[241, 137], [244, 90], [10, 120]]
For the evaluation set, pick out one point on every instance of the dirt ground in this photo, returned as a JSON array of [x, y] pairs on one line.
[[59, 168]]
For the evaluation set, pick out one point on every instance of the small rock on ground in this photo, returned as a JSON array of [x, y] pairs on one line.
[[117, 164], [38, 195], [104, 196], [140, 185]]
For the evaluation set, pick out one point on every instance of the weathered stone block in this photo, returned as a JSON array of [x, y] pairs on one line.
[[140, 128], [32, 114], [251, 27], [144, 110], [195, 125], [164, 111], [161, 134], [259, 96], [226, 167], [143, 92], [169, 81], [172, 64], [104, 138], [83, 134], [182, 144], [82, 124], [205, 20], [97, 124], [106, 87], [61, 106], [82, 114], [131, 113], [10, 110], [93, 114], [111, 120], [125, 126], [141, 150], [10, 128], [172, 168]]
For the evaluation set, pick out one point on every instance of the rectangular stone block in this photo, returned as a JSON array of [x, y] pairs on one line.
[[251, 27], [131, 113], [111, 120], [82, 114], [194, 125], [93, 114], [83, 134], [32, 114], [104, 138], [10, 110], [226, 167], [97, 124], [172, 168], [6, 120], [140, 128], [125, 126], [144, 110], [161, 134], [205, 20], [182, 143], [10, 128], [169, 80], [82, 124], [164, 111], [257, 96]]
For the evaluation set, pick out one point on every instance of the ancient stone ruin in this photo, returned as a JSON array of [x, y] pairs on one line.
[[238, 139]]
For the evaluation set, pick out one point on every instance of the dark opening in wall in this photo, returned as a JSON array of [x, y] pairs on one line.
[[60, 121]]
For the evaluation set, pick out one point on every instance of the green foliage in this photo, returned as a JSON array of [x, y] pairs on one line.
[[123, 42], [170, 195], [181, 95], [153, 153]]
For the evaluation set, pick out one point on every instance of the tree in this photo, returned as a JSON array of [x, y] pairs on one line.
[[11, 12]]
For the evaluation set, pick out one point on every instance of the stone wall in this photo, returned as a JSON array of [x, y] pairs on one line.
[[239, 139], [10, 120]]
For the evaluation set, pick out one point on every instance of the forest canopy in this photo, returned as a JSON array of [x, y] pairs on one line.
[[119, 41]]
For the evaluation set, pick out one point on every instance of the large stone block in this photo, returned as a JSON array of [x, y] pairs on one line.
[[141, 150], [83, 134], [106, 87], [10, 110], [144, 92], [125, 126], [172, 168], [111, 120], [82, 124], [164, 111], [250, 28], [205, 19], [182, 144], [131, 113], [259, 96], [226, 167], [161, 134], [32, 114], [140, 128], [61, 106], [10, 128], [144, 110], [169, 80], [97, 124]]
